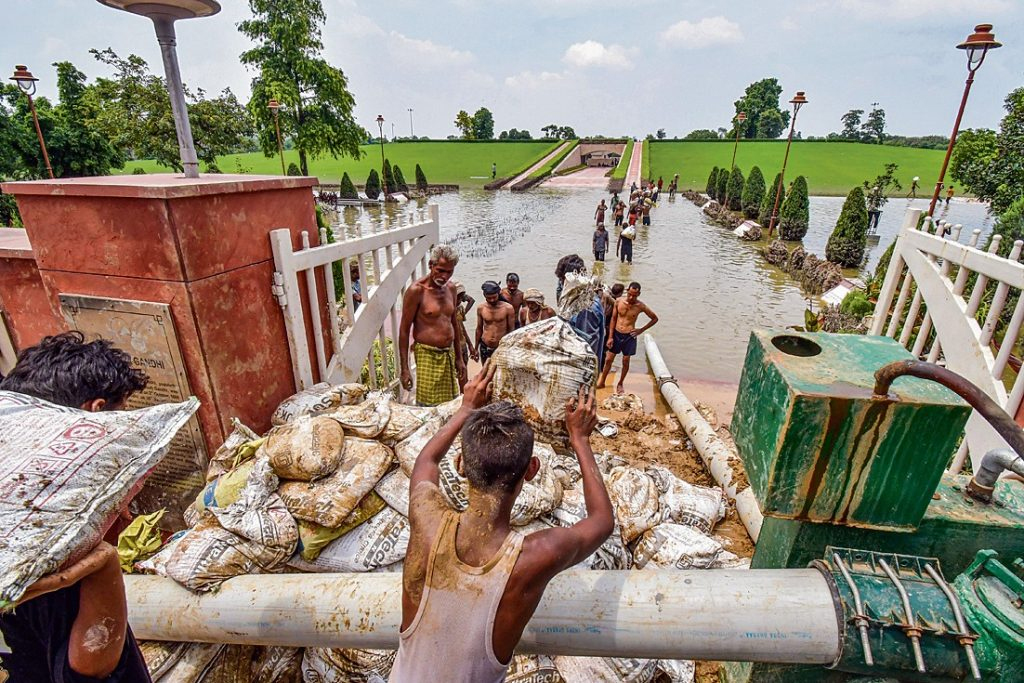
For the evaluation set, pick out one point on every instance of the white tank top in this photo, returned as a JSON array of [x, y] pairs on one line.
[[450, 637]]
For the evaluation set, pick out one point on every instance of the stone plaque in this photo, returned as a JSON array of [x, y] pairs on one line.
[[145, 331]]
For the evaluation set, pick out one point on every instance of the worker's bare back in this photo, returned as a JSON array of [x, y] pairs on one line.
[[434, 307]]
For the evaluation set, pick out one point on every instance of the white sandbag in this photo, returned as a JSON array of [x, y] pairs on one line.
[[367, 419], [394, 489], [195, 661], [674, 546], [319, 398], [565, 467], [683, 503], [623, 403], [541, 494], [379, 542], [305, 449], [635, 499], [532, 669], [277, 665], [677, 670], [606, 669], [64, 474], [227, 456], [606, 462], [161, 656], [612, 554], [539, 368], [404, 421], [157, 563], [330, 500], [321, 665], [408, 449]]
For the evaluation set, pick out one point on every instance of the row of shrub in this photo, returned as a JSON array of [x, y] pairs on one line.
[[394, 181], [756, 201]]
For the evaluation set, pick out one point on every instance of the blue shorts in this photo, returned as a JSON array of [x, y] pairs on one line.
[[623, 343]]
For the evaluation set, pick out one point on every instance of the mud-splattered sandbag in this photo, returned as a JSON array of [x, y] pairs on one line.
[[612, 554], [565, 467], [64, 474], [677, 670], [539, 367], [157, 563], [305, 449], [367, 419], [606, 669], [378, 542], [319, 398], [532, 669], [233, 664], [330, 500], [161, 656], [222, 492], [683, 503], [232, 451], [277, 665], [541, 494], [394, 489], [674, 546], [196, 659], [404, 421], [347, 666], [607, 461], [313, 537], [635, 499]]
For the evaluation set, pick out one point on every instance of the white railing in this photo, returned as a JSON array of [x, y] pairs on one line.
[[929, 268], [388, 261]]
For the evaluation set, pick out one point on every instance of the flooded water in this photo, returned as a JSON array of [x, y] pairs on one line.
[[708, 288]]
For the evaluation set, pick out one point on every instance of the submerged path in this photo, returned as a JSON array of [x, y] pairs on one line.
[[585, 177], [528, 172]]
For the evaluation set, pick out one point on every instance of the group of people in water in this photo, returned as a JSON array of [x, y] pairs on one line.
[[641, 200]]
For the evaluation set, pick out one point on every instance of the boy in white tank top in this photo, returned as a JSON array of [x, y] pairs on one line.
[[471, 582]]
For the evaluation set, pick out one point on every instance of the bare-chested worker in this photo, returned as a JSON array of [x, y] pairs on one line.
[[512, 294], [533, 309], [494, 319], [429, 312], [624, 332]]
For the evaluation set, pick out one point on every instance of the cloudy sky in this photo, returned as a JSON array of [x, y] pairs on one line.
[[601, 66]]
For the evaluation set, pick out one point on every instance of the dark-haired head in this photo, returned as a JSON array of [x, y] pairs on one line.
[[65, 370], [634, 285], [571, 263], [617, 289], [497, 448]]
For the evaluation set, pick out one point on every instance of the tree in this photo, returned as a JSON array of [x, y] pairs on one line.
[[753, 193], [400, 183], [877, 192], [464, 122], [372, 187], [712, 186], [347, 190], [795, 215], [764, 216], [421, 180], [661, 134], [316, 103], [294, 170], [550, 131], [75, 145], [851, 124], [760, 102], [973, 154], [723, 186], [996, 175], [849, 239], [483, 124], [734, 189], [567, 133], [873, 129], [515, 134], [701, 134], [389, 177]]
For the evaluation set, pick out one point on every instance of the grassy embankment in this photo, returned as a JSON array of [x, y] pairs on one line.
[[623, 166], [545, 170], [467, 164], [831, 168]]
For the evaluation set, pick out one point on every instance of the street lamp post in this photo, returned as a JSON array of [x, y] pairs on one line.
[[410, 123], [383, 178], [163, 14], [740, 118], [977, 46], [27, 84], [273, 106], [797, 102]]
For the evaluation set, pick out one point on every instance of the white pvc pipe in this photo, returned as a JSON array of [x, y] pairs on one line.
[[712, 450], [760, 615]]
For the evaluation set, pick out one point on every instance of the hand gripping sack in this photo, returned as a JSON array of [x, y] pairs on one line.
[[64, 474]]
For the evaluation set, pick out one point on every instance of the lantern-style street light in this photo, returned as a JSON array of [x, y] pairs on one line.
[[273, 106], [27, 84], [798, 101], [383, 178], [740, 118], [163, 14], [977, 46]]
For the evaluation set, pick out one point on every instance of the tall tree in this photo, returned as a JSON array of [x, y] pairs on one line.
[[873, 130], [992, 167], [75, 145], [712, 187], [877, 192], [851, 124], [760, 102], [464, 122], [753, 193], [795, 214], [849, 239], [483, 124], [734, 190], [316, 104]]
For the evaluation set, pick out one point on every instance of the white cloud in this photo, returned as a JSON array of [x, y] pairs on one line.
[[529, 79], [593, 53], [913, 9], [706, 32], [426, 53]]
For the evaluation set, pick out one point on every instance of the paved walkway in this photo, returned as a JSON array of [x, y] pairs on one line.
[[635, 160], [585, 177], [526, 174]]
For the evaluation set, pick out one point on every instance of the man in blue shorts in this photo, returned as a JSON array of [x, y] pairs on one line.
[[624, 332]]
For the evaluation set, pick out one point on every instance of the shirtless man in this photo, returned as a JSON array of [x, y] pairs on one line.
[[471, 582], [494, 319], [512, 294], [533, 309], [624, 332], [429, 312]]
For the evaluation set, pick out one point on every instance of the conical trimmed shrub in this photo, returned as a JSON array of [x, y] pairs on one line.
[[348, 190], [421, 179], [400, 183], [795, 215], [734, 190], [849, 239], [389, 177], [753, 193], [764, 216], [723, 185], [712, 186], [373, 185], [293, 169]]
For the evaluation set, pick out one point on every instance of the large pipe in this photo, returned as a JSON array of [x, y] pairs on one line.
[[712, 450], [761, 615]]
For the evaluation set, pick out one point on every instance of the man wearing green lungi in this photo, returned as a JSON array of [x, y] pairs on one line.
[[429, 312]]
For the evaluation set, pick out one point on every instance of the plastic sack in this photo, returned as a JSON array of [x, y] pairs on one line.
[[684, 503], [161, 656], [541, 494], [223, 491], [313, 537], [404, 421], [378, 542], [277, 665], [539, 368], [232, 451], [347, 666], [677, 670], [319, 398], [140, 539], [394, 489], [64, 474], [305, 449], [606, 669], [674, 546], [367, 419], [634, 496], [330, 500], [612, 554], [532, 669]]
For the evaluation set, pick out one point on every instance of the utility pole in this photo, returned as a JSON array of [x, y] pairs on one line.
[[411, 134]]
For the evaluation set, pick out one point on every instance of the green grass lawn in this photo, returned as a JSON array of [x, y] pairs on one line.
[[623, 166], [547, 168], [467, 164], [831, 168]]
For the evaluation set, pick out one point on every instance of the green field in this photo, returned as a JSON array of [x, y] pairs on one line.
[[831, 168], [467, 164]]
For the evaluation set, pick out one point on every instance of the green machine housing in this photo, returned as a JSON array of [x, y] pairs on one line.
[[818, 446]]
